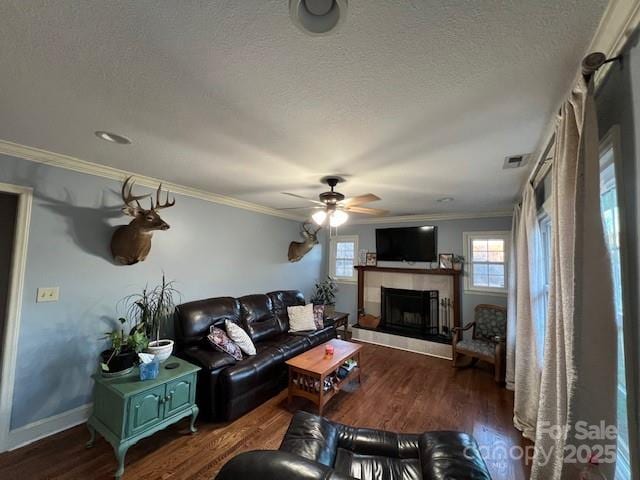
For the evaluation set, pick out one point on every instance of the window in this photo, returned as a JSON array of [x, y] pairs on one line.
[[344, 251], [611, 223], [544, 221], [486, 254]]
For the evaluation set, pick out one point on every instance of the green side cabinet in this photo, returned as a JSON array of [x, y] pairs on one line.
[[126, 409]]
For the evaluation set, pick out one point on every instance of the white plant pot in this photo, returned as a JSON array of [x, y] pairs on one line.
[[162, 349]]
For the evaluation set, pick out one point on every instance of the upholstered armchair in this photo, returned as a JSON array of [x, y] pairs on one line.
[[487, 339]]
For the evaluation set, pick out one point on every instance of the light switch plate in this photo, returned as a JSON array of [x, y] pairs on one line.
[[48, 294]]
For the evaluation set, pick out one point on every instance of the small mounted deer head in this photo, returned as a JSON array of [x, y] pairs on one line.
[[131, 243], [297, 250]]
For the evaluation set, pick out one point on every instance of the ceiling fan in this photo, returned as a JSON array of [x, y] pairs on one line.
[[334, 206]]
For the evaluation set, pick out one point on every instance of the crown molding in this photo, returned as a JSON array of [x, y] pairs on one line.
[[77, 165], [430, 217], [619, 21]]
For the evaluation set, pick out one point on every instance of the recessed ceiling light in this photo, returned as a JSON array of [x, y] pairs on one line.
[[317, 17], [112, 137], [445, 200]]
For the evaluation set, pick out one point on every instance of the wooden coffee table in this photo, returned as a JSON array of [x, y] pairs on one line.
[[309, 370]]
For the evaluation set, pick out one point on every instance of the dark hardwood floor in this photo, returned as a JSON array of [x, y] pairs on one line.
[[401, 391]]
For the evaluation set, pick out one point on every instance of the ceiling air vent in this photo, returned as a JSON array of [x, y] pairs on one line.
[[515, 161]]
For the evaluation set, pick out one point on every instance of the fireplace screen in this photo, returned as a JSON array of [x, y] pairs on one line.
[[410, 311]]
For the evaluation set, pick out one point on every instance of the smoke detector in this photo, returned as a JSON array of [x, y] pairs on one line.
[[317, 17], [516, 161]]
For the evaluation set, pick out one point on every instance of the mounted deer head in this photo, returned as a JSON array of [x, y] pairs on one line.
[[131, 243], [297, 250]]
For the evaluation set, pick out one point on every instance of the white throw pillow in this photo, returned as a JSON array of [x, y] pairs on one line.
[[240, 337], [301, 318]]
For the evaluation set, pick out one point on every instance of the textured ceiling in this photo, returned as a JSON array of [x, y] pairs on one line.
[[412, 99]]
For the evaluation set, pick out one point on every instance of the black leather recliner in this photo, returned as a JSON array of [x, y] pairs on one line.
[[315, 448], [227, 388]]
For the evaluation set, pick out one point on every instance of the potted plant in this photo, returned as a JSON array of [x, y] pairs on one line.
[[458, 262], [325, 294], [153, 308], [123, 354]]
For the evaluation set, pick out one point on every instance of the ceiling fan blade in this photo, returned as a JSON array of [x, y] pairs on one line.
[[359, 200], [297, 208], [367, 211], [303, 198]]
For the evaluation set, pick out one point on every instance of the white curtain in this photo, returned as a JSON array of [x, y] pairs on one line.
[[579, 372], [529, 316], [512, 289]]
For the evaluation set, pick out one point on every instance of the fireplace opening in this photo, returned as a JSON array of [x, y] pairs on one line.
[[414, 313]]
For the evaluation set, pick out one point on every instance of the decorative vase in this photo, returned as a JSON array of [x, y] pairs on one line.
[[329, 310], [162, 349], [457, 266]]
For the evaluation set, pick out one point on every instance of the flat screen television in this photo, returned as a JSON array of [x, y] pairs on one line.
[[411, 244]]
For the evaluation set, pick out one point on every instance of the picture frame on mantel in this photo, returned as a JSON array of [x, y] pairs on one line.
[[445, 261], [372, 259]]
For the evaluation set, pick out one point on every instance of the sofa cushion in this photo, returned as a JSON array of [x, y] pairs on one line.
[[451, 455], [365, 467], [289, 345], [240, 337], [258, 318], [316, 337], [281, 299], [220, 341], [193, 319], [206, 357], [318, 316], [253, 371], [312, 437], [301, 318]]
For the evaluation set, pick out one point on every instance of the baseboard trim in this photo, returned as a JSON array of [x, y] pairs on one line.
[[39, 429]]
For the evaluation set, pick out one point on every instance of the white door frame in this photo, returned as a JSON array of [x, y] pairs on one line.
[[14, 306]]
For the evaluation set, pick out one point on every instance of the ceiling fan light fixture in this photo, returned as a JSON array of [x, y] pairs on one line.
[[319, 217], [338, 217]]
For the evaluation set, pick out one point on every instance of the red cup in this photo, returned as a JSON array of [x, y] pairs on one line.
[[328, 350]]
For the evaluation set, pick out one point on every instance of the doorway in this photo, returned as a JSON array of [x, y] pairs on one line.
[[8, 216], [15, 215]]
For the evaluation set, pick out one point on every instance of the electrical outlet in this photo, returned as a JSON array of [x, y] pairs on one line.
[[48, 294]]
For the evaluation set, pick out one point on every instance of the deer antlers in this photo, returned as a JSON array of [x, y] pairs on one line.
[[305, 228], [128, 197], [166, 204]]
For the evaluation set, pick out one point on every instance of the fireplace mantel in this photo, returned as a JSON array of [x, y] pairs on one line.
[[454, 274], [412, 271]]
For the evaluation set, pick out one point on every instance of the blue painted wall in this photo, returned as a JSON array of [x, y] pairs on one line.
[[449, 241], [210, 250]]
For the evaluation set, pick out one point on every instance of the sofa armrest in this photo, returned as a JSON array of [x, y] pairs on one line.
[[276, 465]]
